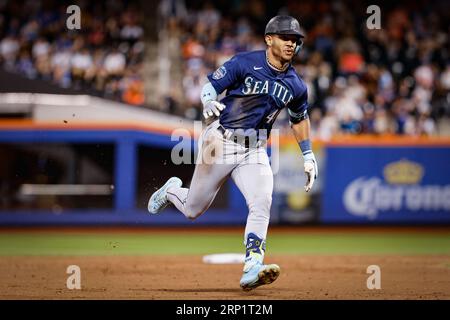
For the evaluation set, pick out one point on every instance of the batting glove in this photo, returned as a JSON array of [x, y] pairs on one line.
[[211, 108], [311, 170]]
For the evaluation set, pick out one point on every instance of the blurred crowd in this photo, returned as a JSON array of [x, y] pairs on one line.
[[392, 80], [102, 58]]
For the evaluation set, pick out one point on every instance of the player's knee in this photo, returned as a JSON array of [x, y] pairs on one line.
[[193, 212], [192, 216]]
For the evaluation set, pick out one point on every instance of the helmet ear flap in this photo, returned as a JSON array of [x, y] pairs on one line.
[[298, 47]]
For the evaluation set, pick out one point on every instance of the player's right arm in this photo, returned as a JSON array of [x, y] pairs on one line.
[[218, 81], [211, 107]]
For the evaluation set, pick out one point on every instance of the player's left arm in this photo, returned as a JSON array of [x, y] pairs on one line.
[[302, 134], [301, 126]]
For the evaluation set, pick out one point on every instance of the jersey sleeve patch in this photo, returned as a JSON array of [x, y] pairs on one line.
[[219, 73]]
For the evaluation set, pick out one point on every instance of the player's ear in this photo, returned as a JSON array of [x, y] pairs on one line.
[[268, 39]]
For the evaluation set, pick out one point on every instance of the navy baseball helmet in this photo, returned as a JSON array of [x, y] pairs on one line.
[[285, 25]]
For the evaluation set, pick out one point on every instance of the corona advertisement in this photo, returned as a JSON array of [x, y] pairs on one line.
[[386, 184]]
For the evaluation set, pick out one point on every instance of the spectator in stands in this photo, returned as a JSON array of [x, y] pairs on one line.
[[9, 49], [114, 64], [41, 48], [132, 88], [81, 64], [61, 66], [25, 65]]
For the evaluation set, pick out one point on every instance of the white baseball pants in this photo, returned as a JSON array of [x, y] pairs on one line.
[[218, 158]]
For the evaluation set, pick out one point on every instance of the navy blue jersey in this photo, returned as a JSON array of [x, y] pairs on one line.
[[256, 93]]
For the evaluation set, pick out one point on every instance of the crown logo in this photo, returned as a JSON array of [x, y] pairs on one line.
[[403, 172]]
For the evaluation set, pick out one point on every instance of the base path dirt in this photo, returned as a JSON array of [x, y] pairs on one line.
[[187, 277]]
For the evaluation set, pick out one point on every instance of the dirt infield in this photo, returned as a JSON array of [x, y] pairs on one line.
[[187, 277]]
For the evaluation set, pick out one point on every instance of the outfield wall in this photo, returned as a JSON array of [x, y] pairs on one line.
[[361, 180]]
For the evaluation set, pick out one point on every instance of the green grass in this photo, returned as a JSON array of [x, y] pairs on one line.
[[206, 243]]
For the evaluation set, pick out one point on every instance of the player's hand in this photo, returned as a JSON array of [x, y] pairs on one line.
[[212, 108], [311, 170]]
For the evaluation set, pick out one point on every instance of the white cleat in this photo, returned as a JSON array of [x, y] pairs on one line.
[[158, 201], [258, 275]]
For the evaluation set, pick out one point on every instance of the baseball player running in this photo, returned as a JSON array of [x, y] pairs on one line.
[[258, 84]]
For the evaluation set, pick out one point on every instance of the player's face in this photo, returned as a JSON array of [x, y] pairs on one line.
[[283, 46]]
